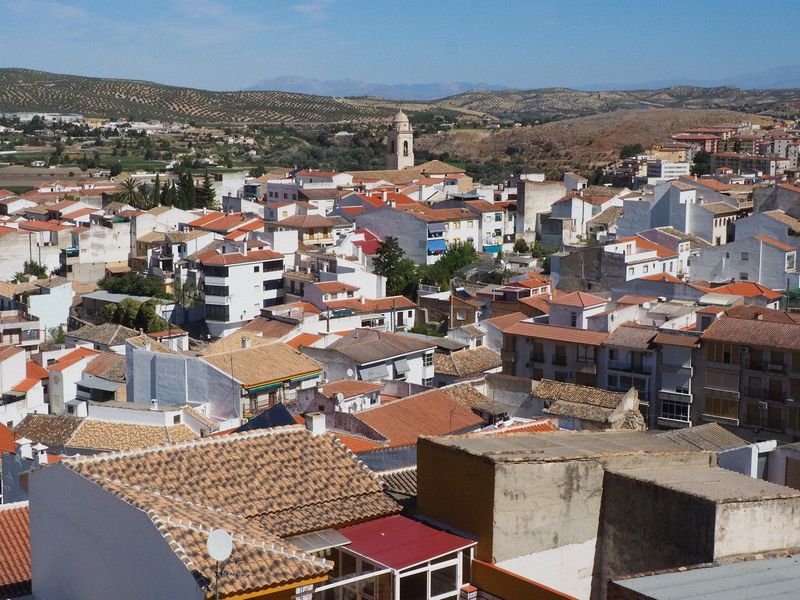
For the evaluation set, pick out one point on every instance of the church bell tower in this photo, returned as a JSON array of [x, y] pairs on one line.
[[401, 143]]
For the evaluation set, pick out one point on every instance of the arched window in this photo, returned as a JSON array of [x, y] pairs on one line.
[[391, 147], [405, 148]]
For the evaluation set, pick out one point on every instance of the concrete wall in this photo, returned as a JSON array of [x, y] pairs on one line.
[[177, 380], [52, 306], [662, 529], [16, 248], [756, 526], [534, 199], [587, 270], [98, 246], [97, 546]]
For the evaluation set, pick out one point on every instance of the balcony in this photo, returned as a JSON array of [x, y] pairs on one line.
[[559, 361], [757, 365], [71, 252], [538, 358], [507, 355], [585, 366], [627, 367], [673, 396], [762, 394]]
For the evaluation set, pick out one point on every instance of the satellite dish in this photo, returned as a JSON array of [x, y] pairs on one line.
[[350, 372], [339, 397], [220, 545]]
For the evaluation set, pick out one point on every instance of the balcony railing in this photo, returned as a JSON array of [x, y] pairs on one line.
[[766, 394], [757, 365], [560, 361], [617, 365]]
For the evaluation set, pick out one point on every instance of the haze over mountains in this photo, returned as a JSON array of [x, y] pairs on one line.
[[350, 87], [774, 78]]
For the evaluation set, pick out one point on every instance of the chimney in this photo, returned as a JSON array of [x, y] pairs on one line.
[[315, 423], [154, 404], [41, 454], [245, 342], [363, 300], [384, 196], [244, 247], [24, 448]]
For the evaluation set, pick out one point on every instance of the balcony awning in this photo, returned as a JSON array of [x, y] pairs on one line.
[[92, 382], [401, 366], [437, 246], [437, 227], [374, 373], [398, 542], [494, 248]]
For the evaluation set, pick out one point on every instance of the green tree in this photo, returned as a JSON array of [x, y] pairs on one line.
[[457, 256], [187, 193], [131, 192], [116, 169], [156, 194], [57, 334], [148, 319], [134, 284], [400, 271], [629, 150], [521, 246], [30, 267], [127, 310], [107, 314], [701, 163], [206, 196]]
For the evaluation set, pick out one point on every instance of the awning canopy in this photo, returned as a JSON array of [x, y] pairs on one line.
[[398, 542], [92, 382], [401, 366], [437, 245], [374, 373], [436, 227]]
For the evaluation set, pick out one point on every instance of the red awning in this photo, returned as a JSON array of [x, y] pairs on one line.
[[399, 542]]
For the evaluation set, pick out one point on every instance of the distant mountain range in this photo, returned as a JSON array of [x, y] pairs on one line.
[[776, 78], [350, 87]]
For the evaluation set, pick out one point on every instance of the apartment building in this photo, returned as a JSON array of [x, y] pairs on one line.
[[539, 351], [748, 375], [674, 377], [643, 257], [665, 170], [237, 285], [750, 163], [423, 233]]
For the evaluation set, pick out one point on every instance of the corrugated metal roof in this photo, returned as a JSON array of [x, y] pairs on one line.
[[774, 578]]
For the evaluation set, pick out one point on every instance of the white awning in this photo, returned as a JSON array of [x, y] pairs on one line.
[[401, 366], [374, 373]]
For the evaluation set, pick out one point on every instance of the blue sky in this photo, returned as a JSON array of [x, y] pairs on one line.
[[230, 44]]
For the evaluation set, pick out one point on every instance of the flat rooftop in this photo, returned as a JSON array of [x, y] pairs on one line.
[[773, 578], [710, 483], [562, 446]]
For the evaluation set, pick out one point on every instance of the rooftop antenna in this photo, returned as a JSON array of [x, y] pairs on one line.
[[219, 545]]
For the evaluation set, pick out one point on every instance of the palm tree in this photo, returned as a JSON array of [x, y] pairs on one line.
[[131, 192]]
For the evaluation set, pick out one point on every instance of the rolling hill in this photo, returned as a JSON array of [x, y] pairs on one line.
[[26, 90]]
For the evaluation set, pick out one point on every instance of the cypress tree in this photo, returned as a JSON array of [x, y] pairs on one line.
[[157, 191]]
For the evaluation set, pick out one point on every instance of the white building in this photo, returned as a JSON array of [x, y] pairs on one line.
[[237, 285], [643, 257]]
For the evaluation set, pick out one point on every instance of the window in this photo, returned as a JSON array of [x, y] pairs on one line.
[[461, 315], [273, 265], [405, 148], [677, 411], [427, 359], [215, 312], [256, 268], [573, 320], [215, 290], [722, 407], [176, 419], [210, 271], [560, 357], [745, 256], [723, 353], [273, 284], [630, 270], [743, 275], [538, 352], [498, 216], [613, 381], [426, 382], [647, 268], [722, 380], [612, 354], [586, 354], [791, 261]]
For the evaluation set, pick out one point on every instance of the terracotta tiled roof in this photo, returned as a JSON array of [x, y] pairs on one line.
[[557, 333], [634, 299], [356, 443], [761, 313], [788, 220], [7, 438], [107, 435], [72, 358], [711, 436], [579, 299], [673, 339], [370, 345], [237, 258], [466, 362], [428, 413], [334, 287], [369, 305], [748, 289], [400, 481], [269, 328], [235, 341], [15, 550], [768, 334], [108, 365], [775, 243], [304, 339], [577, 401], [260, 365], [630, 336], [9, 351], [108, 334], [283, 478], [50, 430]]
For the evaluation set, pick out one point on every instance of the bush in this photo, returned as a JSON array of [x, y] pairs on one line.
[[134, 284]]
